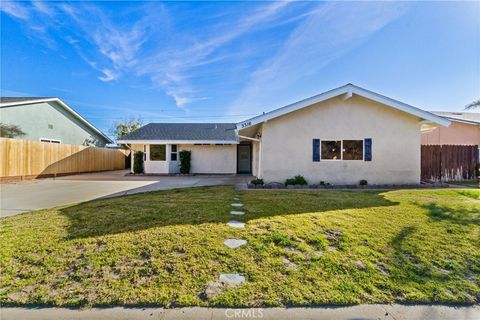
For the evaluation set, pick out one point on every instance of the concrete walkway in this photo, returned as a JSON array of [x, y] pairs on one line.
[[30, 195], [364, 312]]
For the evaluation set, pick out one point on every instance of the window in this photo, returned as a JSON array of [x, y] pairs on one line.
[[352, 150], [331, 149], [174, 152], [157, 152], [50, 140]]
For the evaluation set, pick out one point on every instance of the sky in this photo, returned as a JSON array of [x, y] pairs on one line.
[[228, 61]]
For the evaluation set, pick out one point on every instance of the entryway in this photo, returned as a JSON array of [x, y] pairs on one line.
[[244, 158]]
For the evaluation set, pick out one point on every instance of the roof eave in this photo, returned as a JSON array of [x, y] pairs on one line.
[[346, 89], [156, 141], [63, 105]]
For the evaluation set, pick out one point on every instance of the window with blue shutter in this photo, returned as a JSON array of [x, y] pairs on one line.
[[368, 149], [316, 150]]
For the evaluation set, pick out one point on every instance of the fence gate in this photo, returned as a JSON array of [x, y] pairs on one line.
[[448, 162]]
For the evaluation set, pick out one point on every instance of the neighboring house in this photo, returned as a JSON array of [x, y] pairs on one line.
[[463, 130], [50, 120], [340, 137]]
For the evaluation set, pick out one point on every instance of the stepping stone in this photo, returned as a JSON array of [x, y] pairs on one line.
[[232, 279], [236, 199], [236, 224], [237, 213], [234, 243], [237, 205]]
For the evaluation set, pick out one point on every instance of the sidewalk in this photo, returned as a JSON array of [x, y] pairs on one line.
[[363, 312]]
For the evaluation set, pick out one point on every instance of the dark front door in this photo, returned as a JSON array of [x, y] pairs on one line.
[[244, 158]]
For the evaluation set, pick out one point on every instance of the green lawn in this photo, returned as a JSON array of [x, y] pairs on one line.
[[304, 248]]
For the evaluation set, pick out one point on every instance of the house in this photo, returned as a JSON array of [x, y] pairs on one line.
[[50, 120], [340, 136], [464, 130]]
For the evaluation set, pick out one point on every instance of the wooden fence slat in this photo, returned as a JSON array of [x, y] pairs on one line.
[[30, 159], [448, 162]]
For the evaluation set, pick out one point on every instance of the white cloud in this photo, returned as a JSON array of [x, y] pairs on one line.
[[108, 75], [15, 9], [334, 29]]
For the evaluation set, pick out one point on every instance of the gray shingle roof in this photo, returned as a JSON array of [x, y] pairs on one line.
[[185, 131], [21, 99]]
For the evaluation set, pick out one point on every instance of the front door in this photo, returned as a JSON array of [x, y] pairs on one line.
[[244, 156]]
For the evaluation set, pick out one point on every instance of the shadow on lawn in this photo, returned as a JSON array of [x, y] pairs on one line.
[[457, 216], [195, 206]]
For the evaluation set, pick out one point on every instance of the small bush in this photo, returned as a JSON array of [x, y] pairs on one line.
[[185, 159], [297, 180], [363, 182], [138, 162], [257, 181], [322, 183]]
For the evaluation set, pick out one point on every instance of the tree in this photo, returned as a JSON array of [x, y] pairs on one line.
[[10, 131], [475, 104], [122, 128]]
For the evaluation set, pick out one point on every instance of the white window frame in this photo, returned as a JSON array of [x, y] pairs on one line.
[[342, 149], [48, 140]]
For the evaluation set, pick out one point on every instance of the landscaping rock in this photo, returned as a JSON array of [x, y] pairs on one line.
[[237, 205], [234, 243], [232, 279], [236, 199], [236, 224], [274, 185], [237, 213]]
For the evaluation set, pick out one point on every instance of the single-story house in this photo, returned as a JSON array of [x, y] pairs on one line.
[[464, 130], [340, 136], [50, 120]]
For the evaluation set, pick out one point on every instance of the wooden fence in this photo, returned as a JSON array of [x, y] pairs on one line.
[[448, 162], [25, 159]]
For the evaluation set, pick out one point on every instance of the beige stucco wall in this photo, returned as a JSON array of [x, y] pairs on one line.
[[457, 133], [212, 158], [287, 143]]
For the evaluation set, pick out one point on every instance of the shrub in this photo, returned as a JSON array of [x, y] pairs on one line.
[[300, 180], [363, 182], [138, 162], [185, 159], [257, 181]]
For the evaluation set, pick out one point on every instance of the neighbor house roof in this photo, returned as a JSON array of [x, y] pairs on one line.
[[465, 117], [183, 133], [348, 90], [19, 101]]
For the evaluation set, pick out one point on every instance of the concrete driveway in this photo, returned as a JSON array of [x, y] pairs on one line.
[[45, 193]]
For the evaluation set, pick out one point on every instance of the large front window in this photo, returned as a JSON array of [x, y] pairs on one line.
[[158, 152], [331, 149], [352, 149]]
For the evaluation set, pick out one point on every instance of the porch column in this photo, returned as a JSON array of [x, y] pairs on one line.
[[132, 159]]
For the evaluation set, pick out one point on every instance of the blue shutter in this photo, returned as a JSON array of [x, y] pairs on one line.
[[316, 150], [368, 149]]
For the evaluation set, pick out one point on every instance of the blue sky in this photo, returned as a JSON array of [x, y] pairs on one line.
[[227, 61]]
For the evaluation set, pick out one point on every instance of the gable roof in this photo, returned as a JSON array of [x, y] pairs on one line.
[[348, 90], [18, 101], [184, 132], [464, 117], [22, 99]]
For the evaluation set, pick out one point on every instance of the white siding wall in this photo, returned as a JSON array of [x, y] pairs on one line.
[[287, 143], [213, 158]]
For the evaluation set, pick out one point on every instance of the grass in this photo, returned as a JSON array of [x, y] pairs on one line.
[[467, 183], [162, 248]]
